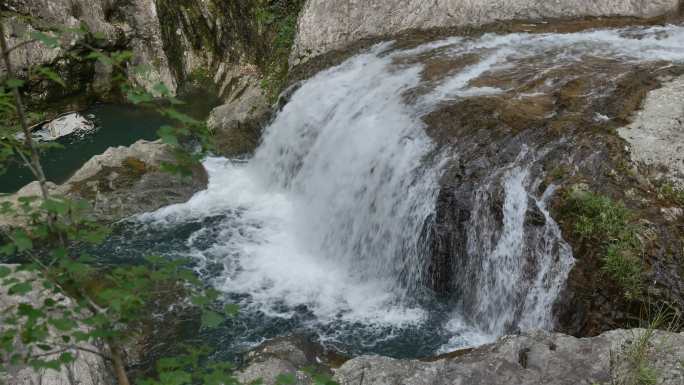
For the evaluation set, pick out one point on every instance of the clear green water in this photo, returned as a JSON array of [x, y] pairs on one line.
[[118, 125]]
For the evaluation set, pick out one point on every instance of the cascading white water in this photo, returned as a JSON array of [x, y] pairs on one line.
[[328, 213]]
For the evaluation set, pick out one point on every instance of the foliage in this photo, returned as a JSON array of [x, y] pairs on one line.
[[88, 303], [639, 352], [598, 220], [277, 22]]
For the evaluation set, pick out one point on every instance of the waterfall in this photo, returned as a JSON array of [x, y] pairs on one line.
[[325, 222]]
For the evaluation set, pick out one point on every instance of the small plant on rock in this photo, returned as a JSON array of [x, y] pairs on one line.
[[599, 220]]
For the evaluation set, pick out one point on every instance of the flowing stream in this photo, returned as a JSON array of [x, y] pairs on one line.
[[321, 230]]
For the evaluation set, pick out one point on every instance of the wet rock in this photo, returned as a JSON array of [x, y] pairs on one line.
[[125, 181], [287, 355], [238, 124], [325, 26], [65, 125], [87, 369], [534, 358], [656, 137]]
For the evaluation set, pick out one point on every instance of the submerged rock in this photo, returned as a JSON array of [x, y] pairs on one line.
[[65, 125], [615, 357], [325, 25]]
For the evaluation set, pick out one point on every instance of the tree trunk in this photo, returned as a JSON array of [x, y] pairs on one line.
[[118, 364]]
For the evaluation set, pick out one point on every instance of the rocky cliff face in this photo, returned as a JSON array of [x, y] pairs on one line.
[[121, 25], [326, 25]]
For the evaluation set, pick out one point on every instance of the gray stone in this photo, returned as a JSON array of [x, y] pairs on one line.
[[65, 125], [123, 181], [134, 23], [286, 355], [326, 25], [238, 124], [656, 136], [535, 358]]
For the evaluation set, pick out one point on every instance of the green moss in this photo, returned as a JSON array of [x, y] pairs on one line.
[[601, 222], [111, 178], [277, 24]]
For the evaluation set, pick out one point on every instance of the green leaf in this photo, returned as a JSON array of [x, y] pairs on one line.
[[20, 288], [5, 271], [168, 135], [63, 324], [162, 89], [22, 240], [66, 358], [14, 83], [56, 207], [286, 379], [211, 319], [48, 40], [8, 249], [231, 310], [52, 75], [139, 96]]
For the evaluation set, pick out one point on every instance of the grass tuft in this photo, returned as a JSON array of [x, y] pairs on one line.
[[598, 220]]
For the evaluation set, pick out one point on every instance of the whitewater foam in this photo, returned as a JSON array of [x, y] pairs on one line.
[[329, 212]]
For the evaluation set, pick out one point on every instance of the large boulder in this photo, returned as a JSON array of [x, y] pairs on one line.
[[325, 25], [616, 357], [656, 136], [237, 125], [124, 181], [296, 356], [130, 25]]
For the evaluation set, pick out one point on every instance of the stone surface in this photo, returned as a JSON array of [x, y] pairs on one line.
[[535, 358], [132, 24], [326, 25], [656, 137], [238, 124], [287, 355], [124, 181], [87, 369], [65, 125]]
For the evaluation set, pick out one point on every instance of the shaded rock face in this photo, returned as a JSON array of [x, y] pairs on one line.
[[237, 125], [123, 25], [125, 181], [87, 368], [325, 25], [535, 358]]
